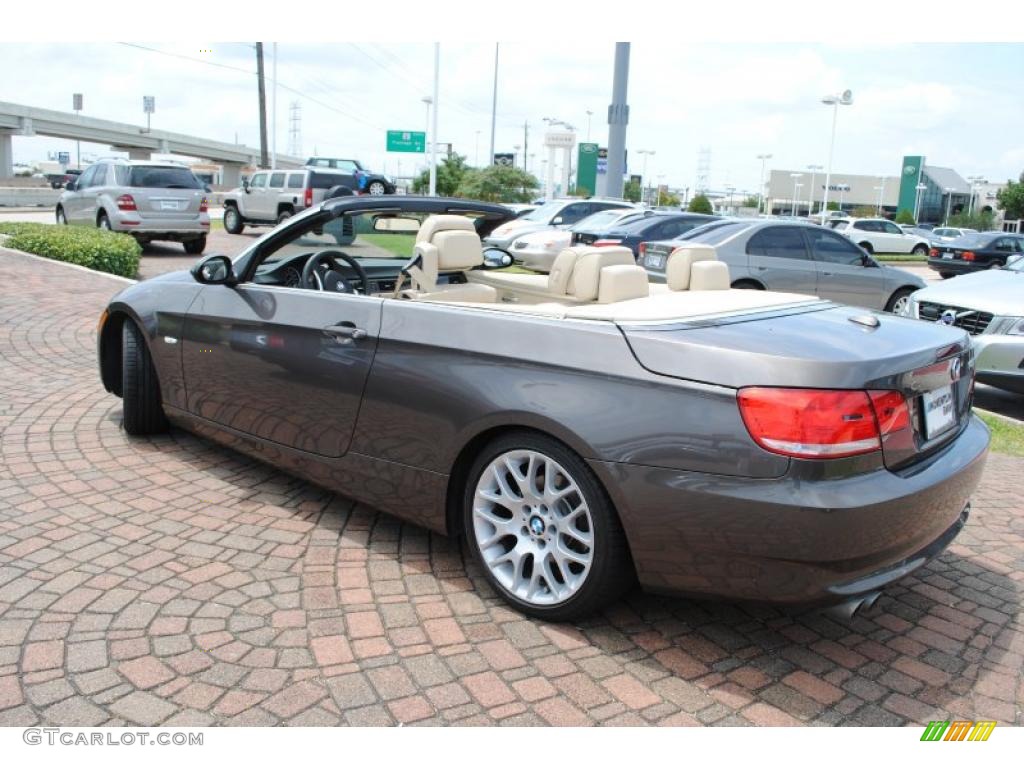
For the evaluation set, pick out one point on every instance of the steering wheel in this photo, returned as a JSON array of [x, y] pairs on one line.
[[332, 279]]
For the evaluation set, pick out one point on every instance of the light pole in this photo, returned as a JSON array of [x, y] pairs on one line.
[[646, 153], [835, 100], [590, 114], [949, 201], [917, 201], [760, 189], [76, 103], [476, 151], [730, 189], [810, 198], [881, 194], [976, 181], [796, 185], [660, 177], [433, 120]]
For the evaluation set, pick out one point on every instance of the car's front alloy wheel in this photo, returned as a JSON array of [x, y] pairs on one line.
[[377, 188], [543, 530]]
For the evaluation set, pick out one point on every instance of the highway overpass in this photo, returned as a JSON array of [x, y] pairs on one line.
[[136, 140]]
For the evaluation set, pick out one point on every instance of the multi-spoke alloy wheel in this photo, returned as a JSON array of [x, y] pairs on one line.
[[543, 530]]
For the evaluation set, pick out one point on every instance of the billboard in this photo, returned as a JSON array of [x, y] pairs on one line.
[[586, 168], [505, 158], [910, 177]]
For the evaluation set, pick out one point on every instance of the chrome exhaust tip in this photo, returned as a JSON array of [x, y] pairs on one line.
[[849, 608]]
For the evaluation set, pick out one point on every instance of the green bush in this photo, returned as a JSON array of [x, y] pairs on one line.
[[700, 204], [905, 217], [111, 252]]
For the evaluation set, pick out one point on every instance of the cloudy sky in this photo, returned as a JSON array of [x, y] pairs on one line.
[[960, 105]]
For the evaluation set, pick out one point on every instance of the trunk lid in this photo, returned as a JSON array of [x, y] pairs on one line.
[[823, 346], [165, 192]]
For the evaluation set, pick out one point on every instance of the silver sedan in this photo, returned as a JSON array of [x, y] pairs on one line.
[[989, 305], [795, 257]]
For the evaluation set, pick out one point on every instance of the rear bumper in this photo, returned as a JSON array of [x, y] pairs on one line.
[[999, 360], [955, 266], [800, 539], [184, 228]]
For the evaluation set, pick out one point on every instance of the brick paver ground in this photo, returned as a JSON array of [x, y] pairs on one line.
[[171, 581]]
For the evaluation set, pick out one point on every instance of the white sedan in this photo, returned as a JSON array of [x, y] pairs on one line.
[[538, 250]]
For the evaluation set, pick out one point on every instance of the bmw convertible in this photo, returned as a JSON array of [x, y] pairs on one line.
[[583, 430]]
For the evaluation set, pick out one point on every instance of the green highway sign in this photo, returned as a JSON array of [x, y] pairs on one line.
[[407, 141]]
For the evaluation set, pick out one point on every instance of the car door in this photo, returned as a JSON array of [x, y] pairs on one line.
[[256, 198], [778, 258], [285, 365], [842, 272], [87, 196], [73, 205], [895, 240]]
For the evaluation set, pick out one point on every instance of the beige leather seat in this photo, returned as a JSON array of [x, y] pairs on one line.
[[448, 244], [696, 268]]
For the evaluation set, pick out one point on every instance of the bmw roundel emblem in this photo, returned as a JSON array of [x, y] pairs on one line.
[[909, 169], [948, 317]]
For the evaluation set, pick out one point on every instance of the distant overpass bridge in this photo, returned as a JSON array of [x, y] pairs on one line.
[[22, 120]]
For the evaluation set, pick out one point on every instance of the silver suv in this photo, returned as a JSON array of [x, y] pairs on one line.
[[270, 197], [151, 201]]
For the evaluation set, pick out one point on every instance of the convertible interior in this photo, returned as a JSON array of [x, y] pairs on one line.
[[585, 282]]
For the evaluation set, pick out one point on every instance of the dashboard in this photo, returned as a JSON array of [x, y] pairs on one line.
[[381, 272]]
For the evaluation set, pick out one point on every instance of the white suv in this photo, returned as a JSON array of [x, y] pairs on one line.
[[553, 214], [881, 236]]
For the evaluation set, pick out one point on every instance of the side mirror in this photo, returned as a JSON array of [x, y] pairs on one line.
[[215, 269], [496, 258], [557, 220], [245, 187], [71, 185]]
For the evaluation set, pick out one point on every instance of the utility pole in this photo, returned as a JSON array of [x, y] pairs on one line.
[[433, 126], [526, 141], [494, 105], [618, 119], [263, 105], [273, 111]]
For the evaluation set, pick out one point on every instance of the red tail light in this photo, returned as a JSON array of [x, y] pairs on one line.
[[968, 256], [933, 252], [204, 205], [605, 243], [309, 197], [821, 423], [126, 203], [642, 248]]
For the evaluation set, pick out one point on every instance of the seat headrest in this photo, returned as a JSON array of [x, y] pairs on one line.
[[443, 223], [458, 250], [709, 276], [680, 264], [576, 271], [621, 282]]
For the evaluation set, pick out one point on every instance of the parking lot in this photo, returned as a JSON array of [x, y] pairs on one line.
[[171, 581]]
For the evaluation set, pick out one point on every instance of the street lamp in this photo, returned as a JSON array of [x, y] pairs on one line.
[[660, 185], [949, 201], [796, 186], [835, 101], [976, 181], [590, 114], [810, 198], [426, 131], [646, 153], [881, 194], [917, 201], [760, 193]]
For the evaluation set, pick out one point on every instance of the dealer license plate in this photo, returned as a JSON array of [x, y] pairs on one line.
[[655, 261], [947, 254], [168, 205], [939, 411]]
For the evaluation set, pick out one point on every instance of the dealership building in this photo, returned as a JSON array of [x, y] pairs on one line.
[[928, 191]]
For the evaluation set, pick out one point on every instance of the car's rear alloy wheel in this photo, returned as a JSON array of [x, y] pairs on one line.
[[920, 250], [376, 188], [541, 527]]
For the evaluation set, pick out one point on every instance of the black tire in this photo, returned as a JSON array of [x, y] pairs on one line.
[[902, 293], [195, 247], [61, 217], [920, 250], [143, 412], [376, 188], [233, 221], [867, 247], [945, 275], [103, 221], [284, 215], [611, 572], [749, 285]]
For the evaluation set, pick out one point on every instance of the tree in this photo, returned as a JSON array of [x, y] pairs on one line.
[[498, 184], [982, 221], [1011, 199], [905, 217], [666, 199], [864, 212], [632, 192], [700, 204], [751, 202], [833, 205], [449, 175]]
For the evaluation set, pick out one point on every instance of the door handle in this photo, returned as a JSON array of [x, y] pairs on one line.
[[343, 331]]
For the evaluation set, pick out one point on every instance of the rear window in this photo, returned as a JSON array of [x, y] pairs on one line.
[[277, 180], [295, 180], [979, 240], [157, 177], [715, 233], [638, 226]]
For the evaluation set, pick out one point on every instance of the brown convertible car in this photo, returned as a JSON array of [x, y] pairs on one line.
[[581, 429]]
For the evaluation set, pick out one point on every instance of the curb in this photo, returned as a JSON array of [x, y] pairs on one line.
[[5, 250], [1000, 416]]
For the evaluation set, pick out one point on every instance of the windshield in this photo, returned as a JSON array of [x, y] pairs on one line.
[[1015, 264], [596, 221], [545, 213], [715, 232], [976, 240], [157, 177]]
